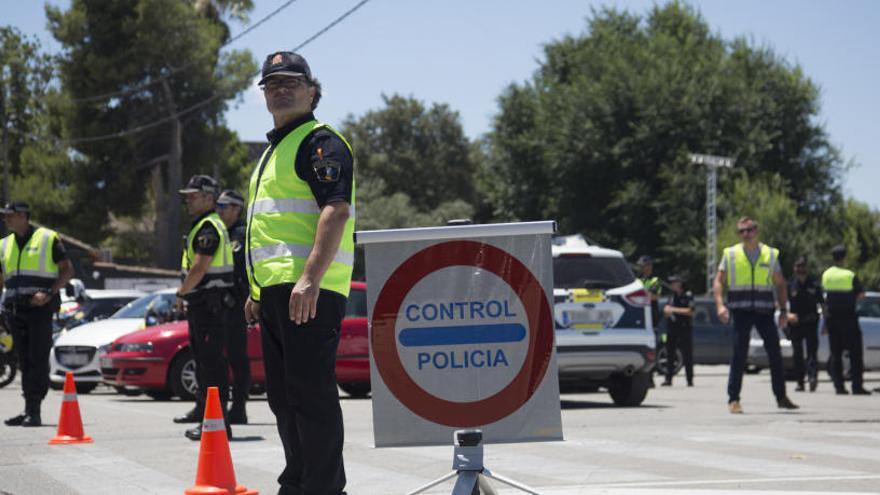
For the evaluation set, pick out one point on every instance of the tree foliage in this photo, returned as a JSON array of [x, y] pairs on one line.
[[147, 61], [599, 138]]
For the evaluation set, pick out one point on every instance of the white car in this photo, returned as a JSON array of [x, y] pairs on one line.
[[869, 321], [604, 334], [92, 305], [78, 350]]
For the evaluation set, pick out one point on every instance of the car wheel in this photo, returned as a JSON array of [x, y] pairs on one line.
[[85, 387], [182, 376], [356, 389], [159, 394], [629, 391], [257, 389]]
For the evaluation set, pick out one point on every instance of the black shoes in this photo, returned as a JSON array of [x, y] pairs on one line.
[[195, 433], [841, 391], [799, 387], [813, 384], [666, 383], [861, 391], [193, 416], [237, 416], [32, 420], [786, 403], [16, 420]]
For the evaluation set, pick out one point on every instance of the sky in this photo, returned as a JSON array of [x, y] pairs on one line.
[[465, 52]]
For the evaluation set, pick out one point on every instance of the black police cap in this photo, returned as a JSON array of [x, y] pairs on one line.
[[645, 260], [838, 251], [15, 207], [285, 64], [230, 197], [201, 183]]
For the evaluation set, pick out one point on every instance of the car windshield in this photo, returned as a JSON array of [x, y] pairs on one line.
[[356, 307], [136, 308], [870, 307], [571, 272]]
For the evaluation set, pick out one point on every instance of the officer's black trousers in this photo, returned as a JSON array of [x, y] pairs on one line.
[[32, 340], [680, 337], [844, 334], [300, 365], [207, 320], [237, 353], [805, 333]]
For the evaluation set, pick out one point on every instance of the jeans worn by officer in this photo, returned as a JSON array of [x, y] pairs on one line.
[[743, 321], [300, 363]]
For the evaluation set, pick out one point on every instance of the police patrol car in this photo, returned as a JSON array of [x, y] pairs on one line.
[[604, 335]]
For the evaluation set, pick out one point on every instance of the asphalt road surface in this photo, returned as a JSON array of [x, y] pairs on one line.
[[682, 440]]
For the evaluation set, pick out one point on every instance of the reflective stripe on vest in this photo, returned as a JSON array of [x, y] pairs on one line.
[[32, 271], [219, 273], [283, 220], [836, 279], [750, 286]]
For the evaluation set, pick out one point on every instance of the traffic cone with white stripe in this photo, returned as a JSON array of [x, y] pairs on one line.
[[70, 427], [215, 475]]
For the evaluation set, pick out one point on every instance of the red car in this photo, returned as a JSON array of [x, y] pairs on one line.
[[158, 361]]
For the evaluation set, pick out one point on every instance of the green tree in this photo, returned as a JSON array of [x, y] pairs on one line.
[[147, 61], [599, 138]]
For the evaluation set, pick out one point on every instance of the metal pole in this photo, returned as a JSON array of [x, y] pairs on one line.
[[5, 166], [711, 227]]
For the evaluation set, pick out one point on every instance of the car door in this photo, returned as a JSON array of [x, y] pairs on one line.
[[711, 338]]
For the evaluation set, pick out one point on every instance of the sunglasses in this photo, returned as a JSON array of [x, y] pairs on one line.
[[290, 83], [747, 229]]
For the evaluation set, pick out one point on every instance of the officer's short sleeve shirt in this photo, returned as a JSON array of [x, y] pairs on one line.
[[326, 164], [206, 240]]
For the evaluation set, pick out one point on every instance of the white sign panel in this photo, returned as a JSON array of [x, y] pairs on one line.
[[461, 333]]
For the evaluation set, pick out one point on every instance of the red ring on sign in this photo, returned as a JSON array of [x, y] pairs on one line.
[[383, 335]]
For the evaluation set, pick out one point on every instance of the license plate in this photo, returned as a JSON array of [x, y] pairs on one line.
[[106, 363], [73, 359], [595, 318]]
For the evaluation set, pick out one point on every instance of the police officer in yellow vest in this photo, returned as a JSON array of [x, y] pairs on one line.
[[35, 268], [300, 253], [652, 285], [206, 266], [755, 287], [842, 290]]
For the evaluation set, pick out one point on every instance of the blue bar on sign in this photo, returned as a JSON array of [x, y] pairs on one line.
[[466, 334]]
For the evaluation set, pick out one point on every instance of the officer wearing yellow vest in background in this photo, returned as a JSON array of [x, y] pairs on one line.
[[35, 268], [206, 266], [300, 253], [842, 290], [755, 288], [652, 285]]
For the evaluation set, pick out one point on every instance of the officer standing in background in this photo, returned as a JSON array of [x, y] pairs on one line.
[[300, 254], [652, 285], [229, 206], [35, 268], [679, 312], [842, 289], [206, 265], [750, 270], [805, 296]]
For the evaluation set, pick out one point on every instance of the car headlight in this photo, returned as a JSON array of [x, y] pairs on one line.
[[104, 349], [145, 347]]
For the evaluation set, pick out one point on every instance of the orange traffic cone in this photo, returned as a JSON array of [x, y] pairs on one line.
[[215, 474], [70, 427]]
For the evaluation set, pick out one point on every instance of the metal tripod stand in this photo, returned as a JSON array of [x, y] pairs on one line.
[[467, 465]]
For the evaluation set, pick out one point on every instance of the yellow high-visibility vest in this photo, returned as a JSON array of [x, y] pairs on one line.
[[219, 274], [750, 286], [31, 270]]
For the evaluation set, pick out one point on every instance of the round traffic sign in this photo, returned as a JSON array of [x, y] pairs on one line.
[[540, 333]]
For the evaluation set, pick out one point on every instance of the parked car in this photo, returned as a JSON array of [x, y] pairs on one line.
[[92, 305], [158, 360], [604, 335], [868, 310], [712, 339], [77, 350]]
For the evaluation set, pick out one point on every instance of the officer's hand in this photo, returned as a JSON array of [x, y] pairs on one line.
[[782, 320], [251, 311], [667, 310], [303, 301], [179, 304], [40, 298], [792, 318], [723, 314]]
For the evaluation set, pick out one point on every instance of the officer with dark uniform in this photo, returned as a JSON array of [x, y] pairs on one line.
[[804, 298], [35, 268], [679, 312], [842, 289], [300, 254], [229, 206], [652, 285], [207, 268]]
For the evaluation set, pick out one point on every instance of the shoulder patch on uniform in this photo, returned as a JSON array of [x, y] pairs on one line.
[[236, 246], [327, 170]]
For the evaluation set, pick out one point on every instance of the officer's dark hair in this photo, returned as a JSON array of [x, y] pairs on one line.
[[838, 253], [315, 83]]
